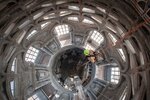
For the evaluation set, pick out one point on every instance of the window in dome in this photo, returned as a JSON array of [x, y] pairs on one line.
[[97, 37], [31, 34], [12, 87], [129, 45], [87, 21], [60, 2], [111, 28], [97, 18], [21, 36], [13, 65], [25, 23], [44, 25], [9, 29], [124, 94], [88, 10], [114, 40], [73, 7], [101, 9], [115, 75], [121, 54], [64, 13], [38, 15], [142, 59], [73, 18], [47, 5], [89, 47], [120, 31], [62, 29], [49, 16], [31, 54]]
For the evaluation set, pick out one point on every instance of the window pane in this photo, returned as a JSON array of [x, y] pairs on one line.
[[73, 7], [88, 10], [31, 34], [13, 65], [31, 54], [12, 86], [122, 54], [73, 18], [114, 40], [115, 75], [97, 37], [87, 21], [62, 29]]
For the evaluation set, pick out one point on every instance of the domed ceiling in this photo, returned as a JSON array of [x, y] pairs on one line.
[[42, 45]]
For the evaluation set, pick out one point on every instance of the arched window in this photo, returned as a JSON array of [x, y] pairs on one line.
[[113, 39], [124, 94], [73, 7], [62, 29], [120, 51], [45, 25], [31, 54], [87, 21], [115, 75], [73, 18], [31, 34], [97, 37], [101, 9], [12, 87], [13, 65], [88, 10], [63, 34], [49, 16]]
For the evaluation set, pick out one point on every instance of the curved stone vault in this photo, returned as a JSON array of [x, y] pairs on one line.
[[41, 45]]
